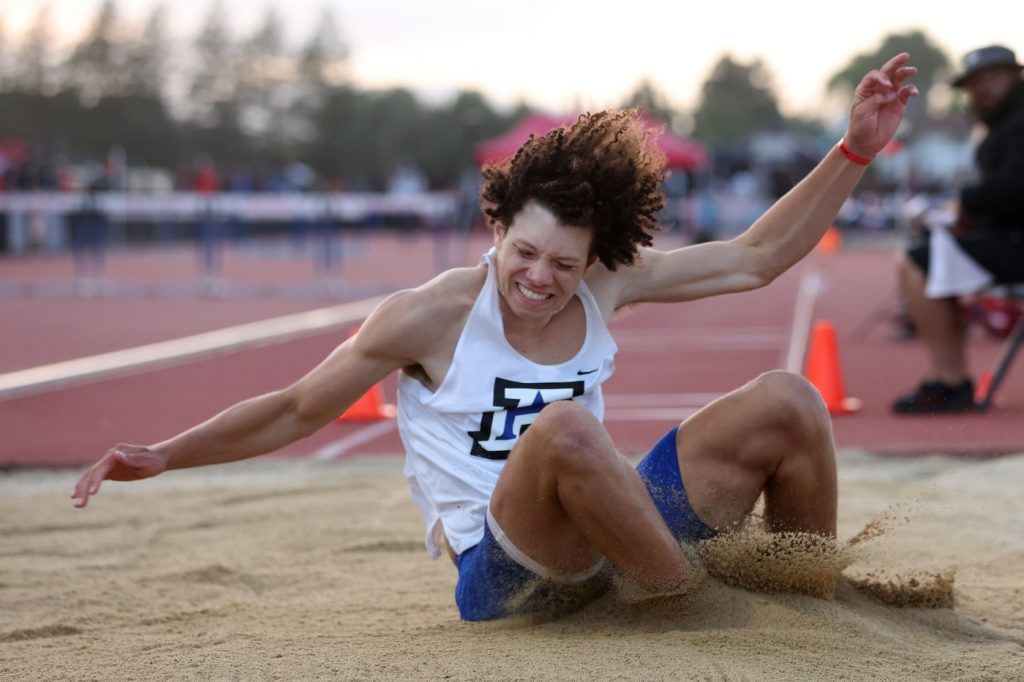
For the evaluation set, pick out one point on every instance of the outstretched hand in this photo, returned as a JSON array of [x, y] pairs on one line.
[[122, 462], [879, 103]]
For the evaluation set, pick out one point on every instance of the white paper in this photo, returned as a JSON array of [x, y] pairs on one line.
[[951, 272]]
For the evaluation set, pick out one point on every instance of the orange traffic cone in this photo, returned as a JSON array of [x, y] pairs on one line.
[[370, 406], [823, 370], [831, 241]]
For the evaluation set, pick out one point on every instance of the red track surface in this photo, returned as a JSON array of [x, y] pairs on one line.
[[672, 357]]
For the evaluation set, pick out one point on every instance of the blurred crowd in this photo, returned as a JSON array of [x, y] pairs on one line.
[[23, 169]]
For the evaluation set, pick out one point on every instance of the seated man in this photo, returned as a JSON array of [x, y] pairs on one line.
[[990, 229], [501, 367]]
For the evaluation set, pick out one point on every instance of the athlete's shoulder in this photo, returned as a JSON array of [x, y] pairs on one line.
[[450, 294], [412, 322], [608, 286]]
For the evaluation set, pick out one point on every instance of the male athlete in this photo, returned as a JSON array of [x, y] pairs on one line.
[[521, 340]]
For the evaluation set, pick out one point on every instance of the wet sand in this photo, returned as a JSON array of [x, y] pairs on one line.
[[296, 570]]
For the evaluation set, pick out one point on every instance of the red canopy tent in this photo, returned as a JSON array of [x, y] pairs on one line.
[[680, 152]]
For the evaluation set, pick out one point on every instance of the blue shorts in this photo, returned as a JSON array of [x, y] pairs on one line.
[[496, 579], [659, 470]]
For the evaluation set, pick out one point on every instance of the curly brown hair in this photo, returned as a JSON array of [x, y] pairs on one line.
[[603, 172]]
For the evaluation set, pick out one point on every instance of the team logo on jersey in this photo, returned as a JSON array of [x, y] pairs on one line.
[[519, 404]]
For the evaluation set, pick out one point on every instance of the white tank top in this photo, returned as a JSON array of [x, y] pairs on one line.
[[457, 438]]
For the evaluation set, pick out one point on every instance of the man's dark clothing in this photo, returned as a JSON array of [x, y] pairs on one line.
[[995, 204]]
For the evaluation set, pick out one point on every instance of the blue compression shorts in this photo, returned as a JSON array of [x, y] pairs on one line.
[[659, 470], [496, 579]]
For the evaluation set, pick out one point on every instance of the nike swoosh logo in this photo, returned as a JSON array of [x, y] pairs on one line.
[[580, 372]]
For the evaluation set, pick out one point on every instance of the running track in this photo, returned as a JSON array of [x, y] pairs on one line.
[[673, 359]]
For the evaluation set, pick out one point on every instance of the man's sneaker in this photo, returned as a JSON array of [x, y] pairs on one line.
[[935, 397]]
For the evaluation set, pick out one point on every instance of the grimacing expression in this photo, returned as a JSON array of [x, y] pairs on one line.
[[540, 262]]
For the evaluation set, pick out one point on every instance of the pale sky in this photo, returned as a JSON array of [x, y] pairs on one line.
[[563, 53]]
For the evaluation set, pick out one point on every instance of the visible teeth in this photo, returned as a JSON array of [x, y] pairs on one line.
[[533, 296]]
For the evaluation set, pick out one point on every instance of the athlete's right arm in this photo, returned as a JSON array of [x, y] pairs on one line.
[[393, 336]]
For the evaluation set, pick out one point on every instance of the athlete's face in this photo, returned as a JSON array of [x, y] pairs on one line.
[[540, 262]]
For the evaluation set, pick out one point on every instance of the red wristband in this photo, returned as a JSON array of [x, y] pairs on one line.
[[859, 160]]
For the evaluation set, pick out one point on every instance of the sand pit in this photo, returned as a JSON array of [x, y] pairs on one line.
[[295, 570]]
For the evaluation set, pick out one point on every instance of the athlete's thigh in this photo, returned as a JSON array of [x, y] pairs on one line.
[[729, 449], [526, 502]]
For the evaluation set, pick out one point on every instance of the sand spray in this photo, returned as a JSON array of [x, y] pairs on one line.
[[751, 557]]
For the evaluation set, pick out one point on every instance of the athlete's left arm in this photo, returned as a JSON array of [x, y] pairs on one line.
[[794, 224]]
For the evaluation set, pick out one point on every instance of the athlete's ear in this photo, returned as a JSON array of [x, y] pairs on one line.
[[592, 254], [499, 233]]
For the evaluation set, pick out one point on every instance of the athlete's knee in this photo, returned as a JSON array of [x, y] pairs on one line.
[[563, 417], [795, 405], [569, 435]]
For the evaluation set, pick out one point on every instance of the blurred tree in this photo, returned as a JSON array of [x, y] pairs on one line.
[[364, 136], [441, 145], [146, 59], [3, 57], [444, 149], [932, 63], [31, 69], [262, 70], [472, 112], [138, 124], [214, 84], [214, 126], [648, 98], [806, 125], [94, 68], [736, 100], [324, 59], [343, 132], [322, 65], [328, 147], [221, 137], [385, 137]]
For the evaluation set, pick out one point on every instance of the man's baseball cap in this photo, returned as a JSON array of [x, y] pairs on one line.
[[984, 58]]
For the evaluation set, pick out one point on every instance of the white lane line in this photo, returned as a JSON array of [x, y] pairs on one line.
[[621, 407], [153, 355], [644, 414], [659, 399], [732, 330], [811, 285], [337, 448], [737, 338]]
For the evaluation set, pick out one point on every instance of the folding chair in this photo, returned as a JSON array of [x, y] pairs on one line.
[[990, 380]]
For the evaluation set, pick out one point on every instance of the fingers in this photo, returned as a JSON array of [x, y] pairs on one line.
[[906, 92], [902, 73], [875, 88], [89, 483], [879, 88], [123, 462], [889, 78], [892, 66], [876, 81]]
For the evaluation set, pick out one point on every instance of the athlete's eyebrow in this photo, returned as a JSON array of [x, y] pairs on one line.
[[521, 243]]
